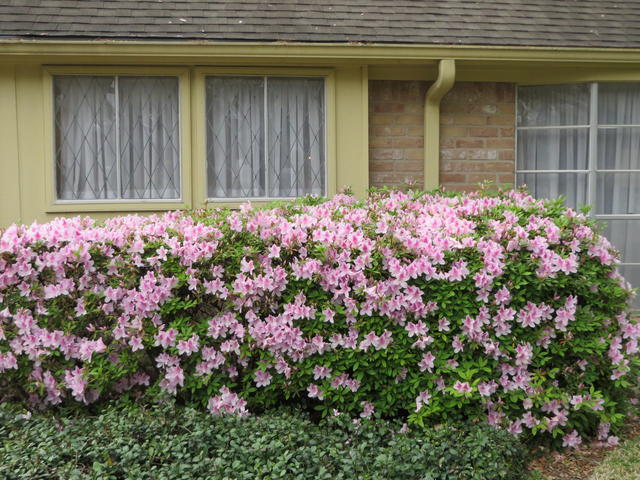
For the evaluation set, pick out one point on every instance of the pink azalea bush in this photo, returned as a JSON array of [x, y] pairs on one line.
[[498, 307]]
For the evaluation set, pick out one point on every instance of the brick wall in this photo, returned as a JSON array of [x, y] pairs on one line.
[[396, 124], [476, 133]]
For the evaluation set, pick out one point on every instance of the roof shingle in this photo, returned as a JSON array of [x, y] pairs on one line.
[[550, 23]]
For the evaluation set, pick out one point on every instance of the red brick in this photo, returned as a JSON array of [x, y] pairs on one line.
[[414, 154], [501, 143], [481, 177], [506, 178], [501, 120], [407, 142], [409, 119], [483, 132], [476, 133], [469, 143], [452, 178], [381, 119], [507, 155], [388, 108]]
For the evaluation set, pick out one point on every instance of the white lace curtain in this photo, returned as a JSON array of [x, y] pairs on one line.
[[117, 138], [265, 147], [554, 125]]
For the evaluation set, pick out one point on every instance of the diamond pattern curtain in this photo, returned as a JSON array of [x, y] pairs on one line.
[[265, 146], [296, 145], [85, 134], [235, 137], [117, 137], [149, 145]]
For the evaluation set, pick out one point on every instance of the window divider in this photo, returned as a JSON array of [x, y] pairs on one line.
[[265, 113], [593, 145], [117, 133]]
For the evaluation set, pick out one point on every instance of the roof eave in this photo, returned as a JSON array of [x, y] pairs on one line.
[[17, 47]]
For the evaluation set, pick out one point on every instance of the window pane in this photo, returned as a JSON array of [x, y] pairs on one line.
[[553, 149], [619, 148], [551, 105], [296, 147], [85, 138], [573, 186], [618, 193], [625, 235], [235, 137], [631, 274], [619, 103], [149, 137]]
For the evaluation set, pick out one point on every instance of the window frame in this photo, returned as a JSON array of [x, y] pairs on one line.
[[55, 205], [592, 169], [200, 134]]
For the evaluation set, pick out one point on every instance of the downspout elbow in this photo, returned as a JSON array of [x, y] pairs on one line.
[[444, 82]]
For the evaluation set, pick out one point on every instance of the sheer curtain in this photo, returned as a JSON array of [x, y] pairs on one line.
[[85, 133], [545, 142], [90, 124], [149, 137], [276, 153], [295, 136], [235, 137], [565, 146], [619, 149]]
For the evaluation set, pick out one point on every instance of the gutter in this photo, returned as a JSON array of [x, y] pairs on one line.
[[444, 82], [11, 47]]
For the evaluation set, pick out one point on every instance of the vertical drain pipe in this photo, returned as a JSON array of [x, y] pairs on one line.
[[444, 82]]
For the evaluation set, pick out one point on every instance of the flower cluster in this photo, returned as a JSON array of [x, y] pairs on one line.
[[497, 306]]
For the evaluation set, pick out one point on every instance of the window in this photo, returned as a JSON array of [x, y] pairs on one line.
[[583, 142], [265, 137], [116, 137]]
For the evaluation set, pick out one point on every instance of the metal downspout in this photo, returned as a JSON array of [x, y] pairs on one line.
[[444, 82]]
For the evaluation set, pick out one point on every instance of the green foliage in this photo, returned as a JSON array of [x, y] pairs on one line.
[[168, 442]]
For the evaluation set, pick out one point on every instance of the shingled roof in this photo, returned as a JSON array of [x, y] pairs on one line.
[[561, 23]]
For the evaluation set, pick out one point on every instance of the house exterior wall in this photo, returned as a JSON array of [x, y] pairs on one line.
[[477, 134], [396, 132], [26, 136]]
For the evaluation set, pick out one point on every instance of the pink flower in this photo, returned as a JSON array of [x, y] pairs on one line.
[[422, 399], [136, 344], [462, 387], [76, 383], [174, 377], [367, 409], [188, 347], [427, 362], [486, 389], [571, 440], [320, 372], [315, 392], [227, 403], [166, 338], [262, 378]]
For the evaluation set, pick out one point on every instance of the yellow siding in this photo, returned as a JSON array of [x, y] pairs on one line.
[[352, 118], [27, 169], [30, 123], [9, 165]]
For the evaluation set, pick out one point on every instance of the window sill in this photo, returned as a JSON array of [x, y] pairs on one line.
[[127, 206]]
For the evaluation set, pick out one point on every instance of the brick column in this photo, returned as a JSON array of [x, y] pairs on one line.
[[396, 124], [477, 140], [477, 135]]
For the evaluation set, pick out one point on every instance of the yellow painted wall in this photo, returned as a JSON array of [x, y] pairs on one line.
[[9, 166], [26, 166]]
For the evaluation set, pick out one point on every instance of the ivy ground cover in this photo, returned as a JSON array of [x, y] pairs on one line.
[[419, 306]]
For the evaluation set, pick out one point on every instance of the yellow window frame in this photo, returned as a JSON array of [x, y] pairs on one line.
[[110, 205], [199, 126]]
